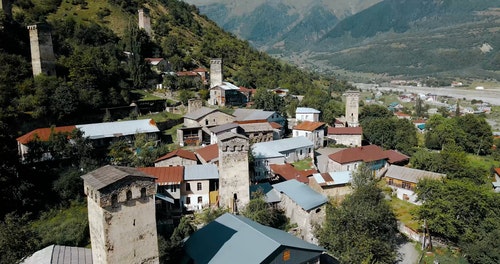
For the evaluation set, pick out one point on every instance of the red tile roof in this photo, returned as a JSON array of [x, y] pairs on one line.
[[419, 121], [401, 114], [394, 156], [365, 153], [289, 172], [497, 170], [209, 153], [43, 134], [185, 154], [200, 70], [187, 73], [275, 125], [165, 175], [345, 131], [308, 126]]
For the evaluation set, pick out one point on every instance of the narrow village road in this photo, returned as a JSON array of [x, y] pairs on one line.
[[408, 253]]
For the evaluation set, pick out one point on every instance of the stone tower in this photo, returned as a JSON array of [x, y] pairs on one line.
[[145, 20], [6, 7], [194, 104], [121, 208], [215, 72], [352, 108], [42, 51], [234, 176]]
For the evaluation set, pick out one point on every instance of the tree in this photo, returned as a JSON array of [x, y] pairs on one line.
[[17, 240], [263, 213], [363, 228], [374, 111], [268, 101], [171, 250], [120, 153]]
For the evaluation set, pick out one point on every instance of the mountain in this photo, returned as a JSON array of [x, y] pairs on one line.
[[447, 38], [277, 24]]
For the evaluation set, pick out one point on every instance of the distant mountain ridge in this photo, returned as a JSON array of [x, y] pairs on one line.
[[389, 37]]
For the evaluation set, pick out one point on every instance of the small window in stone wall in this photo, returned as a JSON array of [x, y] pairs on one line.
[[129, 195], [143, 192], [114, 200]]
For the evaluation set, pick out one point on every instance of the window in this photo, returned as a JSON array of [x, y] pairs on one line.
[[198, 186], [143, 192], [188, 186], [114, 200], [348, 167], [129, 195], [188, 200], [173, 188], [300, 153], [200, 199]]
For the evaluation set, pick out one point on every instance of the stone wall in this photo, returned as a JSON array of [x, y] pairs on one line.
[[216, 74], [305, 220], [42, 50]]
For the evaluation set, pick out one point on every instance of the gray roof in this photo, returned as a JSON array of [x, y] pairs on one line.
[[116, 129], [256, 127], [271, 195], [301, 194], [224, 127], [201, 172], [338, 177], [199, 113], [55, 254], [274, 148], [108, 174], [252, 114], [227, 86], [228, 135], [306, 110], [236, 239], [411, 175]]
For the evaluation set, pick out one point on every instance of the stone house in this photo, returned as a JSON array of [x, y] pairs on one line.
[[237, 239], [196, 123], [247, 116], [347, 136], [178, 157], [332, 184], [303, 206], [281, 151], [258, 132], [199, 181], [404, 180], [226, 94], [314, 131], [208, 154]]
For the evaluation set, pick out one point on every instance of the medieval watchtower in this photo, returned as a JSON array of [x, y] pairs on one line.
[[42, 51], [352, 108], [234, 176], [216, 74], [145, 20], [121, 208]]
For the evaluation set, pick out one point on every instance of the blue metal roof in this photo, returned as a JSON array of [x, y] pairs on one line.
[[201, 172], [236, 239], [271, 195], [301, 194], [274, 148]]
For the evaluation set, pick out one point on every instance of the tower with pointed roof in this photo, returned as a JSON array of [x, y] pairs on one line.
[[121, 210], [234, 176]]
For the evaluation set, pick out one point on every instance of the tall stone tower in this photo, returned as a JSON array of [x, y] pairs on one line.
[[42, 51], [215, 72], [145, 20], [121, 208], [352, 108], [234, 176], [6, 7]]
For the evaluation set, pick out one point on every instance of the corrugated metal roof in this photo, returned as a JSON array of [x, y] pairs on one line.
[[288, 172], [208, 153], [394, 156], [116, 129], [186, 154], [165, 175], [227, 86], [108, 174], [55, 254], [345, 131], [333, 178], [222, 128], [199, 113], [201, 172], [252, 114], [271, 195], [367, 153], [43, 134], [308, 126], [236, 239], [301, 194], [306, 110], [274, 148], [411, 175]]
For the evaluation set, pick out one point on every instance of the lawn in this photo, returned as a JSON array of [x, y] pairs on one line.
[[404, 212], [305, 164]]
